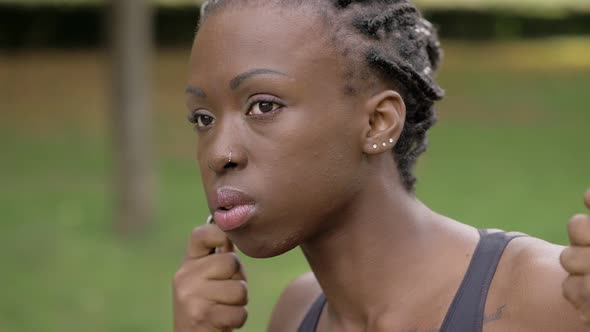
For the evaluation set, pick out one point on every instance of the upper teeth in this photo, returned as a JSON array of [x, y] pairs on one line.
[[229, 207]]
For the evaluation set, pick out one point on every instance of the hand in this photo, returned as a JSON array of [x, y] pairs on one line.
[[575, 259], [209, 292]]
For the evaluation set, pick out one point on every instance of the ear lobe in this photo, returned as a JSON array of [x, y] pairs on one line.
[[387, 114]]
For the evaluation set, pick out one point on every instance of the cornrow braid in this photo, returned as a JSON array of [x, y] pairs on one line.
[[397, 46], [372, 25]]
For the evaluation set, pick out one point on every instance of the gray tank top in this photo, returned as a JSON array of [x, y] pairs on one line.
[[466, 312]]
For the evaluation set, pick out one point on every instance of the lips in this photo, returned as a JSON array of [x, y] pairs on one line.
[[233, 208]]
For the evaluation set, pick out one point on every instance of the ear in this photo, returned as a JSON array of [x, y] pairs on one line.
[[387, 114]]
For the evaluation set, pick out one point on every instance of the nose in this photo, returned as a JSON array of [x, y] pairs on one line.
[[228, 159], [226, 152], [225, 149]]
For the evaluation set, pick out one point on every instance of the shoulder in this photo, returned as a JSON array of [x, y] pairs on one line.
[[528, 285], [294, 303]]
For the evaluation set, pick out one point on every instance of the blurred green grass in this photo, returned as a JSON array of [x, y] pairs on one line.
[[510, 151]]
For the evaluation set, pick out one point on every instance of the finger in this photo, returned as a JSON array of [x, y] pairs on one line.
[[587, 199], [227, 247], [212, 267], [240, 274], [230, 292], [579, 230], [576, 260], [576, 289], [203, 240], [224, 316]]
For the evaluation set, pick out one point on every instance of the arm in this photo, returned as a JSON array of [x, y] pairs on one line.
[[550, 296], [535, 300]]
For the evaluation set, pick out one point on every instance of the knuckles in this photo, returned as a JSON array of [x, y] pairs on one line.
[[198, 313], [579, 229], [576, 289], [574, 258], [207, 232], [585, 291], [579, 223], [237, 318], [200, 232], [565, 259], [241, 293], [241, 318], [570, 290]]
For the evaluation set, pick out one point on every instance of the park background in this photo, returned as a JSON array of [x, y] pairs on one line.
[[510, 151]]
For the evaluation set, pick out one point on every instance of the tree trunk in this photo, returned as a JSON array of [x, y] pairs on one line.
[[131, 55]]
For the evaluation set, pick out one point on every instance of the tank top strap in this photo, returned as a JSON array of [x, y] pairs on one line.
[[312, 318], [466, 312]]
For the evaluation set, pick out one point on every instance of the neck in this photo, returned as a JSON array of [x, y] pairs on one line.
[[375, 252]]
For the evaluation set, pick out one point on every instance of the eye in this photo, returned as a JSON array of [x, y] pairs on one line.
[[263, 107], [201, 120]]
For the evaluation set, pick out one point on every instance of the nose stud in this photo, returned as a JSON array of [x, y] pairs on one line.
[[229, 160]]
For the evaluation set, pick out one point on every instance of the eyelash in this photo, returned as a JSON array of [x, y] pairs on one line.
[[264, 99], [197, 115]]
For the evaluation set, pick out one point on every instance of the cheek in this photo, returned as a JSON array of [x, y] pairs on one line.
[[315, 166], [303, 186], [202, 162]]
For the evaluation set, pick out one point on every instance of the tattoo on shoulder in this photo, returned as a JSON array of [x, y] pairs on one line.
[[497, 315]]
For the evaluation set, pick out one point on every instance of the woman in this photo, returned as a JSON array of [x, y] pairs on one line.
[[310, 116]]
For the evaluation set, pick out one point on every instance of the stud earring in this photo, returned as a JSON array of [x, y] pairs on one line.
[[375, 146], [384, 144], [391, 141]]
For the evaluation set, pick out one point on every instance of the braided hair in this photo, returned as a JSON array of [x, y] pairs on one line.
[[394, 44]]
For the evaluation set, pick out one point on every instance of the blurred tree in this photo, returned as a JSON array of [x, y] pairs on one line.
[[131, 23]]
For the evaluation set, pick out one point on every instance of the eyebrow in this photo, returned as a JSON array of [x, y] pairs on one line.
[[236, 81], [196, 91]]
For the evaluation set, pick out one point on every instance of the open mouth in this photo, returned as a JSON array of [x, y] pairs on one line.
[[233, 208], [234, 216]]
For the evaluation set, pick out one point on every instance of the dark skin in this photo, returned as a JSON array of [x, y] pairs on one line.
[[303, 150]]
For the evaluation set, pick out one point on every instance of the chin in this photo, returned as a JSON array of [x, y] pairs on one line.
[[263, 247]]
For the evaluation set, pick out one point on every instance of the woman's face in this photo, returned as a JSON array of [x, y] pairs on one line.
[[267, 90]]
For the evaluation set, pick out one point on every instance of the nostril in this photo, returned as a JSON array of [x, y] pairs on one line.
[[230, 165]]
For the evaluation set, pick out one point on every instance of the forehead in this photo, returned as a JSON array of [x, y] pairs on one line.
[[233, 40]]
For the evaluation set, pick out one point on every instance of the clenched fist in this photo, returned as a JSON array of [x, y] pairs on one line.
[[210, 292], [575, 259]]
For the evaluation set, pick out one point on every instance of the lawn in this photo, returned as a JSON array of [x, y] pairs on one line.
[[510, 151]]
